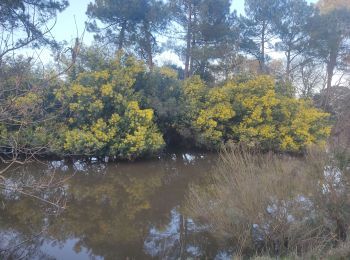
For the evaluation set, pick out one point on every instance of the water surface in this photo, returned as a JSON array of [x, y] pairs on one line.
[[113, 211]]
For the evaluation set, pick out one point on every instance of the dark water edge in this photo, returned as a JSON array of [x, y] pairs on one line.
[[165, 153], [124, 210]]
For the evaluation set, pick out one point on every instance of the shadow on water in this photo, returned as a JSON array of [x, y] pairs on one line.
[[114, 211]]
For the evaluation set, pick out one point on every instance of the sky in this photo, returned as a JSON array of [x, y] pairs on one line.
[[71, 24], [65, 28]]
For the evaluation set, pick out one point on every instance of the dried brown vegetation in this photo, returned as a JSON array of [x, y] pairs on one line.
[[276, 205]]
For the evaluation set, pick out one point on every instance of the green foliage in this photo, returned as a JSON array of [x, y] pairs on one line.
[[132, 23], [161, 90], [23, 108], [252, 112], [116, 107], [104, 116], [329, 36], [210, 111], [258, 27], [210, 32], [24, 23], [277, 122]]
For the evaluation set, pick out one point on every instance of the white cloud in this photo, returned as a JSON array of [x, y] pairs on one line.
[[168, 57]]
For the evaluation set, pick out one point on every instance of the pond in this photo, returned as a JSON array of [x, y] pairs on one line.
[[113, 211]]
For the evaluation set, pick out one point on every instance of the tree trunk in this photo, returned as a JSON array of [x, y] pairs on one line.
[[188, 40], [148, 44], [122, 36], [75, 52], [262, 58], [288, 65], [330, 73], [193, 41]]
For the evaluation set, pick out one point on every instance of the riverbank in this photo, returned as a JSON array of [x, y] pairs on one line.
[[277, 205]]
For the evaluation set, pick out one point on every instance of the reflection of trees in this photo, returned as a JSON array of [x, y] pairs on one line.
[[22, 223], [112, 209], [106, 212], [24, 248], [180, 239]]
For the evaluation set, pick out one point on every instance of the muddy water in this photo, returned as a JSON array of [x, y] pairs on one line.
[[113, 211]]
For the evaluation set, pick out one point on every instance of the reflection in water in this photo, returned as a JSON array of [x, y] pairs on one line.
[[114, 211], [173, 240]]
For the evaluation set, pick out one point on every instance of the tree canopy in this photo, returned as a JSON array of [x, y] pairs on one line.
[[29, 19]]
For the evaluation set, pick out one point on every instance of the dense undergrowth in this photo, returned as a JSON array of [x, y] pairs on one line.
[[119, 108], [265, 204]]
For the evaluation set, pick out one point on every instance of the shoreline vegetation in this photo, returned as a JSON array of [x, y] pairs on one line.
[[112, 99], [121, 110], [264, 204]]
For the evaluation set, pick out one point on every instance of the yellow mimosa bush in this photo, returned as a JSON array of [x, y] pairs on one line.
[[120, 109], [253, 112], [277, 122], [207, 111], [104, 115]]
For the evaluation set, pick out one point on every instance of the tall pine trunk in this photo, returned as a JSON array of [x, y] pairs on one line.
[[288, 70], [331, 64], [148, 44], [262, 58], [188, 40], [193, 41], [122, 36]]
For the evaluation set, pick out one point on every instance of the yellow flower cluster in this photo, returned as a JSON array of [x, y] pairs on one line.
[[253, 112], [283, 123], [115, 125], [28, 100]]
